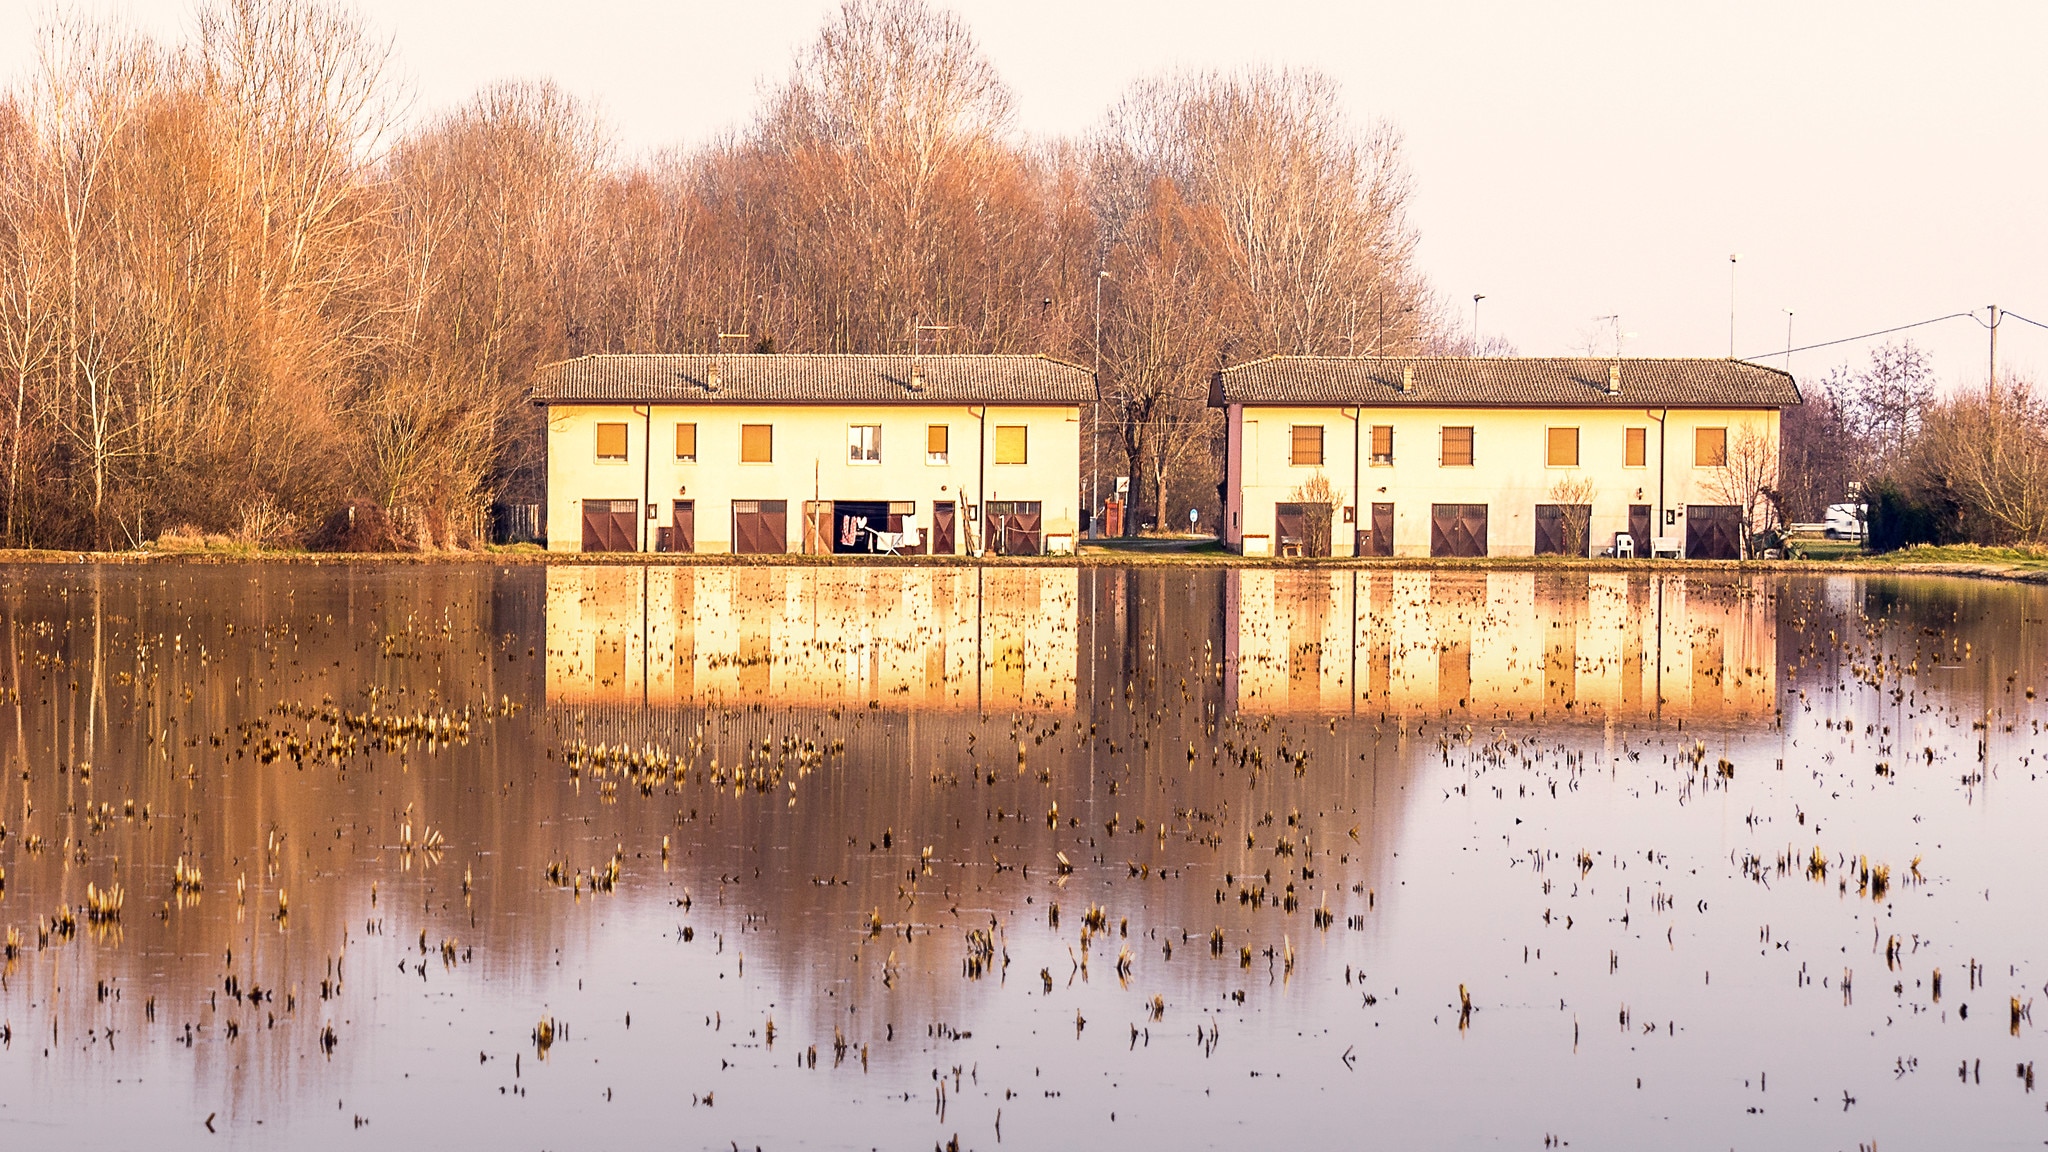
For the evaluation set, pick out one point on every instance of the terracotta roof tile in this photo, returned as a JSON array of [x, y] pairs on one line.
[[1517, 382], [762, 378]]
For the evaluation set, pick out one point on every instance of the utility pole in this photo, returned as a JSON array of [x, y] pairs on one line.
[[1095, 430], [1732, 258], [1476, 298], [1788, 340], [1991, 381]]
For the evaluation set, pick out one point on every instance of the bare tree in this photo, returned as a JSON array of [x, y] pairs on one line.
[[1821, 458], [29, 300], [1749, 481], [1240, 215], [1886, 400], [1161, 329], [1992, 451], [233, 296], [1319, 500], [1574, 494]]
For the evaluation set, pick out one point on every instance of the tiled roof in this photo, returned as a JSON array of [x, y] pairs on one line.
[[763, 378], [1507, 382]]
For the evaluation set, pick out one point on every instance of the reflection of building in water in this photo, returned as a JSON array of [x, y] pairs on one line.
[[1555, 645], [977, 638]]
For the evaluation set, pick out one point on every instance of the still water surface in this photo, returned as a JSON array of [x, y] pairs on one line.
[[620, 858]]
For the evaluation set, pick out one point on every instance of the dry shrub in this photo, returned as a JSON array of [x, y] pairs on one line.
[[1574, 493], [1319, 500], [1991, 452], [265, 525], [181, 538], [359, 526]]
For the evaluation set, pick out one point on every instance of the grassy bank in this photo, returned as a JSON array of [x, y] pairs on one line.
[[2023, 564]]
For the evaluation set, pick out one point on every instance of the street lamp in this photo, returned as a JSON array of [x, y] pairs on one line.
[[1476, 298], [1732, 258]]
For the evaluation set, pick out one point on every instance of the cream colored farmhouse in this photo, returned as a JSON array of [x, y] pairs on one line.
[[819, 454], [1453, 456]]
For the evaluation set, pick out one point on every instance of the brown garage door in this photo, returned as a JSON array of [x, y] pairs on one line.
[[1563, 529], [760, 527], [1713, 532], [1303, 529], [1457, 530], [611, 525], [1013, 527]]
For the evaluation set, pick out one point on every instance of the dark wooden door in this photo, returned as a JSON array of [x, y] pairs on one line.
[[1457, 530], [682, 534], [611, 525], [1550, 529], [760, 527], [1290, 529], [1381, 540], [1563, 529], [1639, 527], [1713, 532], [943, 532]]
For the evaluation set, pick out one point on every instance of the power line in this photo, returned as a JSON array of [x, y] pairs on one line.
[[2008, 314], [1873, 335]]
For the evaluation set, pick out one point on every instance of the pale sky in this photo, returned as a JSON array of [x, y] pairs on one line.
[[1874, 163]]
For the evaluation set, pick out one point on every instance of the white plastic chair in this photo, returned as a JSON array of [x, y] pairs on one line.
[[1624, 545]]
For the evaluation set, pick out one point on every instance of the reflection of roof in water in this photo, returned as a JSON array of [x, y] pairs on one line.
[[1500, 645], [886, 638]]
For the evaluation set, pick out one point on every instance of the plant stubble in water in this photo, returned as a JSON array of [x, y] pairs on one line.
[[872, 857]]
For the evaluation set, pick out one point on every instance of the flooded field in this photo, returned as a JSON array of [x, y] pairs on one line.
[[613, 857]]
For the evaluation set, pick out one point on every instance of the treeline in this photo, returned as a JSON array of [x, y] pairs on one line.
[[238, 297], [1968, 466]]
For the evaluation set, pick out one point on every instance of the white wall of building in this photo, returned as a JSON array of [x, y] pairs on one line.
[[1509, 473], [810, 461]]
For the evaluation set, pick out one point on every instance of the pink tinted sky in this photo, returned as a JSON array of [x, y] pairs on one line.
[[1874, 163]]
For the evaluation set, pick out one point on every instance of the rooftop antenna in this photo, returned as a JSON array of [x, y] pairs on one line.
[[711, 376], [916, 332], [1614, 373]]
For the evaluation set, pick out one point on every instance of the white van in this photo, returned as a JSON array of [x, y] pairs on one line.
[[1845, 521]]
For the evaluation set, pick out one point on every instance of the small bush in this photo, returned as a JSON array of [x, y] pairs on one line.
[[359, 526], [1900, 518]]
